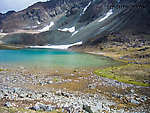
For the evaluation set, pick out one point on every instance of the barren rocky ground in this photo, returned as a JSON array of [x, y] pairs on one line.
[[44, 89]]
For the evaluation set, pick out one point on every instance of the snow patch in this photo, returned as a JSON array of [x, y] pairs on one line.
[[74, 33], [85, 8], [1, 30], [72, 29], [31, 27], [103, 27], [106, 16], [99, 53], [38, 22], [34, 26], [46, 28], [57, 46]]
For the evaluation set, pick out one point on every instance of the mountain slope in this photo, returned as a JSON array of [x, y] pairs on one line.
[[64, 13], [88, 21]]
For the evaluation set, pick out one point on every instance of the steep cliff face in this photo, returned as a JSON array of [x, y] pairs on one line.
[[86, 20]]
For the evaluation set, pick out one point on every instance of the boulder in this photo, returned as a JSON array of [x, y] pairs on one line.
[[87, 108], [41, 107]]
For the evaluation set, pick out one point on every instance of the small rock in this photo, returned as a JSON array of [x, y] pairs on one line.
[[33, 96], [87, 108], [132, 90], [41, 107], [120, 106], [22, 95], [135, 102], [72, 74], [8, 104], [5, 91], [65, 94], [49, 82], [39, 95], [91, 86], [75, 70], [21, 67], [42, 84], [34, 108], [58, 93], [1, 96]]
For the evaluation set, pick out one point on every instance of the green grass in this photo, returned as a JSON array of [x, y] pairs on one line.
[[10, 46], [6, 47], [56, 80], [5, 69], [131, 74], [22, 110], [14, 110], [2, 69]]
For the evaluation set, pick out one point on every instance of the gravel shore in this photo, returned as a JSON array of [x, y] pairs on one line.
[[71, 91]]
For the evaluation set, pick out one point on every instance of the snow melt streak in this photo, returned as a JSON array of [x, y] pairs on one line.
[[74, 33], [106, 16], [86, 8]]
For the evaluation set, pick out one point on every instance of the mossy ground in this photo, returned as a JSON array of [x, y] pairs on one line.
[[14, 110], [132, 74], [2, 69], [128, 50], [8, 46], [22, 110], [131, 49], [129, 55]]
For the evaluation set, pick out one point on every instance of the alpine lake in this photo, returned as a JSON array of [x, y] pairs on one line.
[[54, 58]]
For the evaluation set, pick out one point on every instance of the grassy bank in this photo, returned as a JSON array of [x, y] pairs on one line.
[[23, 110], [12, 46], [129, 48], [132, 74]]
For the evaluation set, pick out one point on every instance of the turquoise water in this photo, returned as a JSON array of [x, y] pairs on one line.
[[53, 58]]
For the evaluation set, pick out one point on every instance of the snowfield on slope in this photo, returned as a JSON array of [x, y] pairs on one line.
[[57, 46]]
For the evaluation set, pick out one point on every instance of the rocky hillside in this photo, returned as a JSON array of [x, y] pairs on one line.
[[88, 21], [63, 13]]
